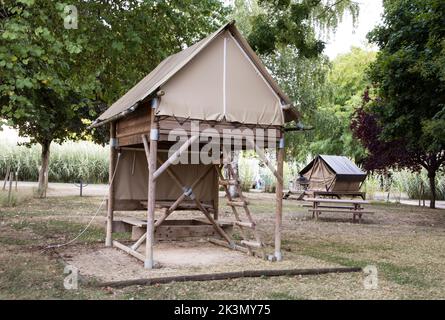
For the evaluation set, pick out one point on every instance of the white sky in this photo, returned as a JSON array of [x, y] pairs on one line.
[[346, 36]]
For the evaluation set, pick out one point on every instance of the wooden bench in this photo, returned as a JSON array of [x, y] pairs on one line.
[[321, 205]]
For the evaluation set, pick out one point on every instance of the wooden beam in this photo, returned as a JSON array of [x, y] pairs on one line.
[[151, 197], [279, 203], [183, 195], [173, 206], [8, 168], [175, 156], [112, 168], [218, 229], [226, 245], [11, 178], [263, 157], [146, 147], [129, 250], [226, 275]]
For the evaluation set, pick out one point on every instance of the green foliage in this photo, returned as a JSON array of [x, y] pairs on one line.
[[38, 91], [285, 23], [347, 81], [328, 94], [54, 81], [409, 74], [282, 32], [246, 173], [371, 185], [70, 162]]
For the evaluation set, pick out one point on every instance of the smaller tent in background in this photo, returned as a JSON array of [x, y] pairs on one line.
[[333, 173]]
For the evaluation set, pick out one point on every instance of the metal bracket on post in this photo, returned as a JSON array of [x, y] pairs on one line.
[[155, 103], [113, 143], [188, 191], [154, 134], [281, 144]]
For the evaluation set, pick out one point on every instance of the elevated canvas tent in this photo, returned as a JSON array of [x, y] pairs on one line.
[[333, 173], [218, 78], [220, 83]]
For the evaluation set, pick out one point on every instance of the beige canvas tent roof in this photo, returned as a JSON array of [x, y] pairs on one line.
[[333, 173], [219, 78]]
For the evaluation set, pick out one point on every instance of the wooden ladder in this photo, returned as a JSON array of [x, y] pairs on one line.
[[247, 227]]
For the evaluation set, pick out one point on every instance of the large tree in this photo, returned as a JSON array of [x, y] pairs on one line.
[[409, 77], [284, 34], [346, 81], [295, 24], [54, 81]]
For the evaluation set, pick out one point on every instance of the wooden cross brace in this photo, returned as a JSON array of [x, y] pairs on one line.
[[187, 193]]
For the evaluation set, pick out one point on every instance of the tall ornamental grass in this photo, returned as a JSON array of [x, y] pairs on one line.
[[412, 183], [69, 162]]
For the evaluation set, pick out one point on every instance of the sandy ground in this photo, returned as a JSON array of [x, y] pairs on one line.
[[173, 258]]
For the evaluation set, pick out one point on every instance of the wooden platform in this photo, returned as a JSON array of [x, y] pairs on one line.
[[175, 229]]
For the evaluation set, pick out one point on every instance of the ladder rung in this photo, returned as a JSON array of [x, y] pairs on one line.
[[244, 224], [228, 182], [251, 243], [237, 203]]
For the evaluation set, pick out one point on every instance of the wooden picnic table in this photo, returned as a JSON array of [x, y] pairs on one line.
[[322, 205], [337, 194]]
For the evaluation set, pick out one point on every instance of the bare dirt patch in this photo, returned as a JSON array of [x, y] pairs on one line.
[[175, 258]]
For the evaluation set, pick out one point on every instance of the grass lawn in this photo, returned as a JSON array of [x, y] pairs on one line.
[[405, 243]]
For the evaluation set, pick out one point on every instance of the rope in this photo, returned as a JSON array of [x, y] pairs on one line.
[[95, 215]]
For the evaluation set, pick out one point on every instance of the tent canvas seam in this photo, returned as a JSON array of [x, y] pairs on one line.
[[224, 76]]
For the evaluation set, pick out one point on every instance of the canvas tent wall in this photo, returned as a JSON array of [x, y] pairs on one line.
[[333, 173], [132, 177]]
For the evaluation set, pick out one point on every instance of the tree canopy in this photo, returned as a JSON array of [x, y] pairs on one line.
[[408, 75], [283, 23], [54, 80]]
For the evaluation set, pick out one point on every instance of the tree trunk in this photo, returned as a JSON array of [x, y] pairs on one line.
[[43, 173], [432, 178]]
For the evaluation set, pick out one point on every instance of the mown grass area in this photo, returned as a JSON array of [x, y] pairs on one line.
[[14, 198], [405, 243]]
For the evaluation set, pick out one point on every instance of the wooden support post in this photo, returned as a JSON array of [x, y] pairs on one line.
[[151, 197], [8, 168], [128, 250], [112, 168], [173, 206], [216, 199], [11, 178], [279, 200]]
